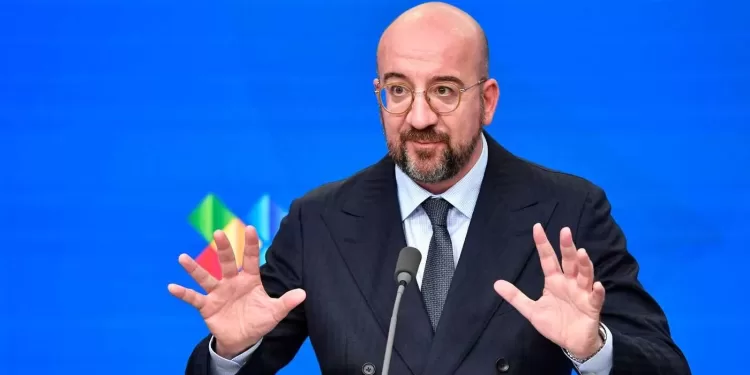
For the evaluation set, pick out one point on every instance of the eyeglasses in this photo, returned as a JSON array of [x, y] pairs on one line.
[[443, 97]]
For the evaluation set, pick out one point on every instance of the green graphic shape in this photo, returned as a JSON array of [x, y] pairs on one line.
[[210, 215]]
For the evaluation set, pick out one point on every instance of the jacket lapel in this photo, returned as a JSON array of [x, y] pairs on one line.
[[498, 246], [368, 232]]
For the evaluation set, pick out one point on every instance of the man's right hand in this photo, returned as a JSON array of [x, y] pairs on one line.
[[236, 309]]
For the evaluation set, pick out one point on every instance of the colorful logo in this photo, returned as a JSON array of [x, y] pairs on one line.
[[211, 214]]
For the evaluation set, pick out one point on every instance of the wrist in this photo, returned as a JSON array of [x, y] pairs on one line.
[[585, 354], [230, 351], [590, 351]]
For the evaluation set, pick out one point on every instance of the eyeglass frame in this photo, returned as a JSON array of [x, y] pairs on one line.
[[414, 93]]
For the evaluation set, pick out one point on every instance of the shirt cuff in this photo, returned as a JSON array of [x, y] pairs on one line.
[[223, 366], [601, 362]]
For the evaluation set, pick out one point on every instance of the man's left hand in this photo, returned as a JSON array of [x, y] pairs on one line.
[[568, 311]]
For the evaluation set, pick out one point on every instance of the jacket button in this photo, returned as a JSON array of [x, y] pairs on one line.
[[368, 369], [502, 365]]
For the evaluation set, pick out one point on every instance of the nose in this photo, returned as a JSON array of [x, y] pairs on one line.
[[421, 114]]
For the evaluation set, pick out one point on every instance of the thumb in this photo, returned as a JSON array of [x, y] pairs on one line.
[[515, 297], [291, 299]]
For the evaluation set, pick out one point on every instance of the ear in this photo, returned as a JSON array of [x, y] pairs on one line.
[[375, 83], [491, 95]]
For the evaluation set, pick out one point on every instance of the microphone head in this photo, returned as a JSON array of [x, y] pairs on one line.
[[407, 264]]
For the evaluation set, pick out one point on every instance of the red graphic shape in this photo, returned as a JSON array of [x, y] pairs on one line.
[[209, 260]]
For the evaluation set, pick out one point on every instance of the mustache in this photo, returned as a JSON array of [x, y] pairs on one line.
[[424, 135]]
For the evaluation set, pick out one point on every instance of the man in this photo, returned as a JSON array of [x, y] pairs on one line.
[[484, 301]]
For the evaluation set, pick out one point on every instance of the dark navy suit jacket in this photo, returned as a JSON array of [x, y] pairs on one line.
[[340, 243]]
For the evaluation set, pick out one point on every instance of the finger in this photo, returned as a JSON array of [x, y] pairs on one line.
[[188, 295], [547, 257], [515, 297], [251, 253], [224, 251], [568, 250], [198, 273], [596, 298], [585, 270], [288, 301]]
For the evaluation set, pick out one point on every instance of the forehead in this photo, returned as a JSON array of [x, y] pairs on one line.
[[423, 53]]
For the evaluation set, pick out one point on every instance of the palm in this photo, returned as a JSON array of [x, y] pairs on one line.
[[239, 307], [236, 309], [562, 312], [567, 313]]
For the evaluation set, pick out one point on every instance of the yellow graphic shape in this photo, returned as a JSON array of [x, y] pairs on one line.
[[235, 232]]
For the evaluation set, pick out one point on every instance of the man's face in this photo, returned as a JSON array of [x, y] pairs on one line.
[[429, 146]]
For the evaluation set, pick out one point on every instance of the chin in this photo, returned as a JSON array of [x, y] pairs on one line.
[[425, 167]]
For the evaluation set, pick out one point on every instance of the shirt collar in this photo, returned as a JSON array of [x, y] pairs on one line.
[[463, 195]]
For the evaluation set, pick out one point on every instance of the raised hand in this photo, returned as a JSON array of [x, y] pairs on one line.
[[568, 311], [236, 309]]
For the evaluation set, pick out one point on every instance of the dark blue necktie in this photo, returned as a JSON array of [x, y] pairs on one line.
[[439, 268]]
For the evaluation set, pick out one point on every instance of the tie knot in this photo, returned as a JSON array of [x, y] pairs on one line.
[[437, 210]]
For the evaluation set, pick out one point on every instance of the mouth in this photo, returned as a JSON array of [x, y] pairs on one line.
[[425, 143]]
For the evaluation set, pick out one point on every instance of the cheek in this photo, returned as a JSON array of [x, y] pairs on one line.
[[392, 127], [463, 126]]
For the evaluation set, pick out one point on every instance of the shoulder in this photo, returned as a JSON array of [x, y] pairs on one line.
[[579, 203], [529, 178], [333, 194], [559, 183], [538, 182]]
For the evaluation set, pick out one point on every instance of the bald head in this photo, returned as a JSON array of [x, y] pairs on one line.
[[434, 93], [440, 23]]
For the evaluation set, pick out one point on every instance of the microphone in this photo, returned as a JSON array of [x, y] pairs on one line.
[[406, 269]]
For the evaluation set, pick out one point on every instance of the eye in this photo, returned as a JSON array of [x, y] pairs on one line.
[[398, 90], [444, 90]]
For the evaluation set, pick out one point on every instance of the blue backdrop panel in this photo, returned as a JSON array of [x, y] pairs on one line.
[[118, 117]]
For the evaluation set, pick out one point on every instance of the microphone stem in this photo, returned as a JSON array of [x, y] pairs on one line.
[[392, 329]]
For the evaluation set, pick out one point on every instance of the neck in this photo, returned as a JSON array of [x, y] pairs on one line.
[[443, 186]]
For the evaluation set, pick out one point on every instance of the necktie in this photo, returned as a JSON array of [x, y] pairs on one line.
[[439, 267]]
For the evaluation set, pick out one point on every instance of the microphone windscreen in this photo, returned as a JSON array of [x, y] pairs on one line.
[[408, 262]]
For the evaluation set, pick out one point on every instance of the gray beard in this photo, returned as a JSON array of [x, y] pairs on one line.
[[453, 160], [451, 163]]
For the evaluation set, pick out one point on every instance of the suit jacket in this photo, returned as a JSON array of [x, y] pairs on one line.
[[340, 243]]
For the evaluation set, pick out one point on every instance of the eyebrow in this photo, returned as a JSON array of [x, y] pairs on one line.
[[453, 79], [391, 75], [456, 80]]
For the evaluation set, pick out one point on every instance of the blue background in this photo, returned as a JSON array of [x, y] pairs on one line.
[[117, 117]]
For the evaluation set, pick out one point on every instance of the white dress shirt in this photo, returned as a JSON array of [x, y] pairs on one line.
[[418, 232]]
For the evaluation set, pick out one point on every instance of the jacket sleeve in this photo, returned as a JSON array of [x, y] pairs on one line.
[[281, 272], [642, 343]]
